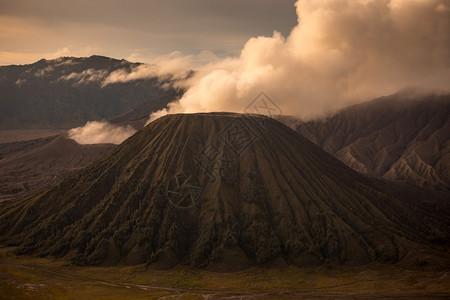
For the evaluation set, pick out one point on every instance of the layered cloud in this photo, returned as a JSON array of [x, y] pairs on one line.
[[174, 67], [100, 133], [341, 52], [86, 76]]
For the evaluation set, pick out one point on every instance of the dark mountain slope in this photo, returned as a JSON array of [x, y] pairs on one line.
[[30, 166], [223, 191], [395, 137], [66, 92]]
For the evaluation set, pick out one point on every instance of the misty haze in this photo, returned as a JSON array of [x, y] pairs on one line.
[[260, 149]]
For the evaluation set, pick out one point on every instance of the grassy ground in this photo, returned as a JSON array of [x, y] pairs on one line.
[[39, 278]]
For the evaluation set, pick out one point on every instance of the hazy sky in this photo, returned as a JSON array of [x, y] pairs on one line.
[[135, 29]]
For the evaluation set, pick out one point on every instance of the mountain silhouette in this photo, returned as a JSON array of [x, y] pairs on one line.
[[67, 92], [402, 137]]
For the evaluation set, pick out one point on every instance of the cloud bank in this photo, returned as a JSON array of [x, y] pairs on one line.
[[101, 133], [341, 52], [174, 67]]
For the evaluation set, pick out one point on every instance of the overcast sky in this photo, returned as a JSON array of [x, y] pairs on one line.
[[135, 29]]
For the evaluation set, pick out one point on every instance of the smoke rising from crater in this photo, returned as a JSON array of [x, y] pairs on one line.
[[100, 133], [341, 52]]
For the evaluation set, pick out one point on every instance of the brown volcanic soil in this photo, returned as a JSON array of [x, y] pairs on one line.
[[17, 135], [31, 166], [23, 277], [224, 191], [395, 137]]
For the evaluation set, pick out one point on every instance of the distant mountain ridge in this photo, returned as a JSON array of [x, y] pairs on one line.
[[224, 191], [28, 167], [67, 92], [400, 137]]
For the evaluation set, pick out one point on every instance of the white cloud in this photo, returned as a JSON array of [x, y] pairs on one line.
[[44, 71], [60, 61], [175, 67], [73, 51], [101, 133], [341, 52], [20, 81], [89, 75]]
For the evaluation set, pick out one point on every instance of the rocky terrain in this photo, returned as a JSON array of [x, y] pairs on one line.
[[224, 192], [403, 137], [27, 167]]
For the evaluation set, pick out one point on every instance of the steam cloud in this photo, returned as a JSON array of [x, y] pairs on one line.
[[341, 52], [100, 133]]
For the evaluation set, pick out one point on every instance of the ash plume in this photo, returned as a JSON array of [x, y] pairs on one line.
[[341, 52]]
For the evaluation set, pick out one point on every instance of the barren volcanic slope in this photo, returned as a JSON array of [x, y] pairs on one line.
[[221, 191], [29, 166], [393, 137]]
